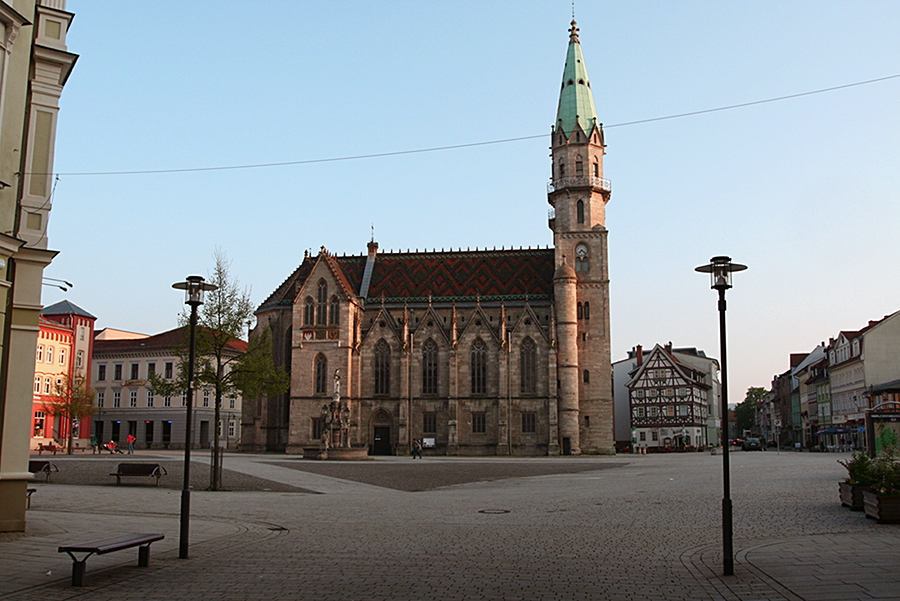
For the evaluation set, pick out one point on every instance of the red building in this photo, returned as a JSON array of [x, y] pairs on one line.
[[64, 347]]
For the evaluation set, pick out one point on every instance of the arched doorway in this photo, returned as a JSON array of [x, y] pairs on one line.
[[381, 433]]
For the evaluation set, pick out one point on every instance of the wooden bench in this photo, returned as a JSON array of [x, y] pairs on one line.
[[108, 545], [36, 466], [138, 469], [47, 447]]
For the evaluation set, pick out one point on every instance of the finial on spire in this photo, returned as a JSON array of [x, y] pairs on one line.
[[573, 32], [373, 233]]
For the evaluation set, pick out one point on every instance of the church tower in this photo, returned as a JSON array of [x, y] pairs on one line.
[[578, 194]]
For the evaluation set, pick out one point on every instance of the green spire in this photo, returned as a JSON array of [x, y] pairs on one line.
[[576, 102]]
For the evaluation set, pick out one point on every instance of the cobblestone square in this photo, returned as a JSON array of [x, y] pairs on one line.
[[623, 527]]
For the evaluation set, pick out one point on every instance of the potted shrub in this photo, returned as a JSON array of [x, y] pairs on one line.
[[859, 478], [882, 501]]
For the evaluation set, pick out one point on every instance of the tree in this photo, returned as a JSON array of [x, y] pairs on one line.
[[222, 361], [72, 400], [745, 411]]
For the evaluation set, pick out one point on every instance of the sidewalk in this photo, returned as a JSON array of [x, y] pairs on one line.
[[557, 528]]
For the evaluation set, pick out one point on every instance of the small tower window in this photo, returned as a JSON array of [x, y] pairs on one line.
[[596, 169], [309, 312], [321, 374], [321, 310], [587, 310], [334, 315], [528, 367], [382, 368], [579, 208], [562, 169], [580, 311], [429, 367], [579, 165], [479, 367]]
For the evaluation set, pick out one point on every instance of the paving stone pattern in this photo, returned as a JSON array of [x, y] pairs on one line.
[[624, 527]]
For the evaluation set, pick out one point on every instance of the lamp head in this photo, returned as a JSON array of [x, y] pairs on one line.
[[194, 288], [720, 269]]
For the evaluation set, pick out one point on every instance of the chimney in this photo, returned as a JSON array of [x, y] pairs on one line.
[[373, 247], [640, 355]]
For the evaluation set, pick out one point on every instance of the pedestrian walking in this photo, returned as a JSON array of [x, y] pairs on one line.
[[129, 440], [416, 449]]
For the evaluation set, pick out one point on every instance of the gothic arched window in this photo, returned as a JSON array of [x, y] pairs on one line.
[[596, 168], [587, 377], [321, 375], [579, 209], [309, 312], [580, 311], [429, 367], [479, 367], [321, 309], [562, 169], [579, 165], [334, 315], [382, 367], [528, 360], [587, 310]]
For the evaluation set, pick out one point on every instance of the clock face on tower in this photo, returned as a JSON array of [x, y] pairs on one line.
[[581, 250]]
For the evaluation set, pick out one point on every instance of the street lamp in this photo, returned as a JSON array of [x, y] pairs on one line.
[[720, 270], [193, 288]]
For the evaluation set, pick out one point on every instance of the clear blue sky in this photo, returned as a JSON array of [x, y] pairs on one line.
[[804, 191]]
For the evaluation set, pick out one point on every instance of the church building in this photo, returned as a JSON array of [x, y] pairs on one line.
[[485, 352]]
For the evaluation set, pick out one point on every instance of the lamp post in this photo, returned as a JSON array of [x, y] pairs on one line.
[[720, 270], [193, 288]]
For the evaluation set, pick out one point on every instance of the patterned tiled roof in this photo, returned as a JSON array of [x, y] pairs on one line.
[[463, 275], [439, 275]]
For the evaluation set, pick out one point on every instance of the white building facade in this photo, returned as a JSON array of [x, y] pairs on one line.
[[122, 366]]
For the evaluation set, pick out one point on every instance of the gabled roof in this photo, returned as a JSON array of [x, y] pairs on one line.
[[680, 368], [166, 341], [439, 276], [66, 308]]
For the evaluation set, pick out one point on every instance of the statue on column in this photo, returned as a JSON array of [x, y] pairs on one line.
[[336, 418]]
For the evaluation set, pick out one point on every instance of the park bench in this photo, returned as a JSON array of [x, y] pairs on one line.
[[36, 466], [47, 447], [108, 545], [138, 469]]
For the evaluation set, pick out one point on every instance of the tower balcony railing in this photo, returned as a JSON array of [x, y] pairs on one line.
[[580, 181]]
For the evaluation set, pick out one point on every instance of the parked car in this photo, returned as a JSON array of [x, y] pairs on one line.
[[753, 444]]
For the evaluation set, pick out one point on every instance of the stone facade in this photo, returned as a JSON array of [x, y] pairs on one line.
[[485, 352]]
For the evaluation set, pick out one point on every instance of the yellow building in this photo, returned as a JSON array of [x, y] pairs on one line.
[[34, 67]]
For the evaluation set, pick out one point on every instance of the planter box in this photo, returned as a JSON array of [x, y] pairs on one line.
[[852, 495], [884, 508]]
